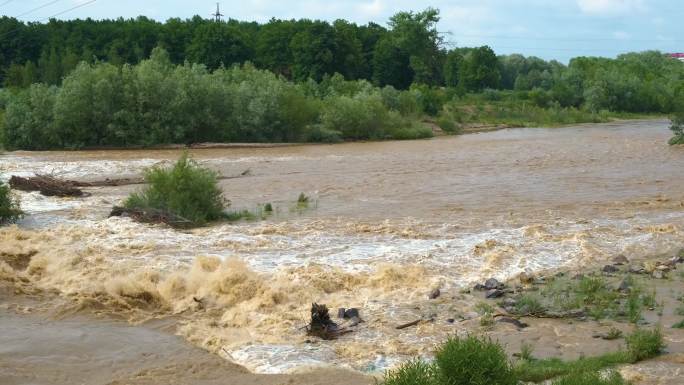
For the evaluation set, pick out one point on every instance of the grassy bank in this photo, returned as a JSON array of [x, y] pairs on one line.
[[475, 360]]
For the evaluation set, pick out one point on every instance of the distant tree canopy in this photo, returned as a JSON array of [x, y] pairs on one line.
[[141, 82], [408, 51]]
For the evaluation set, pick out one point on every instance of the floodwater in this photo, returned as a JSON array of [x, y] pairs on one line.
[[387, 222]]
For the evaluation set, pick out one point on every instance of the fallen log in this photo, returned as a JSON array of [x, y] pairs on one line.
[[46, 185], [51, 186], [151, 216]]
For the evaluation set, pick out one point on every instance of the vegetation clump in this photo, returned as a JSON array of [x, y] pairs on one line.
[[9, 206], [644, 344], [677, 128], [591, 378], [186, 190], [473, 360], [590, 295]]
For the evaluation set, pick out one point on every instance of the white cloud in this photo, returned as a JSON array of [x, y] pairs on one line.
[[373, 8], [621, 35], [609, 7]]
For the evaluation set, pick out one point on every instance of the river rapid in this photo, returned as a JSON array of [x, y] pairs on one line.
[[388, 222]]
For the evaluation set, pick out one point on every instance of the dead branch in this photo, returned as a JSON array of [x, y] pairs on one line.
[[46, 185], [151, 216]]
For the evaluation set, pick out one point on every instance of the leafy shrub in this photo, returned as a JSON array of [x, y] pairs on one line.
[[9, 206], [591, 378], [528, 304], [358, 117], [415, 372], [678, 325], [186, 190], [645, 344], [677, 128], [473, 360]]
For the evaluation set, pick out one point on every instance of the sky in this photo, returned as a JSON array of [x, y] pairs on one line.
[[551, 29]]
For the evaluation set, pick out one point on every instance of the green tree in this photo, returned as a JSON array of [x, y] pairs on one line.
[[479, 69]]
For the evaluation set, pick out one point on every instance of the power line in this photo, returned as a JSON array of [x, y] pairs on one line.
[[37, 8], [6, 2], [568, 39], [69, 10], [50, 17]]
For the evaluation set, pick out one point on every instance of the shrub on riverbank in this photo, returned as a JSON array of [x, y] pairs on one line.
[[474, 360], [156, 102], [187, 190], [9, 206]]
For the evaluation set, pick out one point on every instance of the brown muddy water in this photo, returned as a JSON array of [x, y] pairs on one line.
[[389, 221]]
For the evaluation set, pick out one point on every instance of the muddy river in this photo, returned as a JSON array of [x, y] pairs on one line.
[[387, 222]]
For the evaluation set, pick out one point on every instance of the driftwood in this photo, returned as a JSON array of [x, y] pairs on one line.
[[46, 185], [50, 186], [322, 326], [409, 324], [151, 216]]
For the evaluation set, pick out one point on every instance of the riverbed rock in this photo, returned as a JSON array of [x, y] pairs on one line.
[[435, 293], [636, 269], [353, 321], [470, 315], [625, 286], [340, 312], [664, 268], [658, 274], [495, 293], [526, 278], [610, 269], [493, 283], [517, 323], [351, 313], [620, 260], [509, 302]]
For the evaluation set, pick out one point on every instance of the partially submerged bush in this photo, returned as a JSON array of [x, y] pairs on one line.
[[473, 360], [677, 127], [645, 344], [186, 190], [9, 206]]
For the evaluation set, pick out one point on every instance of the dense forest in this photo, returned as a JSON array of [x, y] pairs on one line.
[[141, 82]]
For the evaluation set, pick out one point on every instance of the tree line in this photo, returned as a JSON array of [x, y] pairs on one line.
[[141, 82]]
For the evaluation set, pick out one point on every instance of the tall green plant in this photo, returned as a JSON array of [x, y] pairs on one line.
[[9, 206], [187, 190]]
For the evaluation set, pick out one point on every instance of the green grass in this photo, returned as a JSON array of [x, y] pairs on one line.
[[529, 304], [9, 206], [678, 325], [473, 360], [594, 295], [480, 361], [415, 372], [186, 190], [645, 344], [542, 370], [591, 378]]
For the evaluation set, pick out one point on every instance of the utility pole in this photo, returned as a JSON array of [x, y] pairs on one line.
[[218, 14]]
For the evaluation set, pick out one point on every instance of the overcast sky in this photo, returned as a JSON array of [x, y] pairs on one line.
[[552, 29]]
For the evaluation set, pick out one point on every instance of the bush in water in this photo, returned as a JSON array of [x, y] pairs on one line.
[[9, 206], [186, 190]]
